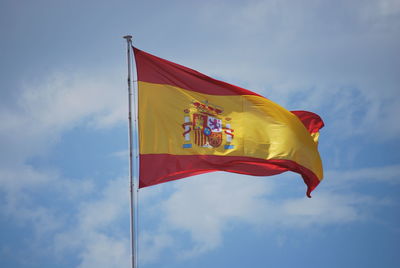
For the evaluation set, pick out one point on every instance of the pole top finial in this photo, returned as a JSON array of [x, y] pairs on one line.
[[128, 37]]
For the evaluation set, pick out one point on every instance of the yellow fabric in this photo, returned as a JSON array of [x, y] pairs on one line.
[[262, 129]]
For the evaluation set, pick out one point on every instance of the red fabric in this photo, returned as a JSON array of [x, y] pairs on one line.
[[311, 121], [157, 70], [160, 168]]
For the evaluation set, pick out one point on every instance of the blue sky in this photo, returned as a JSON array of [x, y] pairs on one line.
[[64, 199]]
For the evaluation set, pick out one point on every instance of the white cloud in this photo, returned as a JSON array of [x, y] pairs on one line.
[[388, 7], [205, 206], [22, 190], [208, 206], [101, 212], [152, 244], [65, 99], [340, 57], [327, 208], [56, 104], [105, 252], [43, 112], [90, 233], [347, 178]]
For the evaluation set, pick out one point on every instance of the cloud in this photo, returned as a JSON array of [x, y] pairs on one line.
[[203, 207], [35, 199], [25, 194], [84, 228], [312, 55], [105, 252], [153, 244], [388, 7], [22, 187], [328, 208], [207, 207], [348, 178], [55, 104], [91, 235]]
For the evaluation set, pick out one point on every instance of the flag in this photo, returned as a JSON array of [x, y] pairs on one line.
[[190, 124]]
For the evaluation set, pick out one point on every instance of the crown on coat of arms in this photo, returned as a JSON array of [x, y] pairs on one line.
[[208, 108]]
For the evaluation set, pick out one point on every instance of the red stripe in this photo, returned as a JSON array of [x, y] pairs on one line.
[[153, 69], [160, 168], [311, 121]]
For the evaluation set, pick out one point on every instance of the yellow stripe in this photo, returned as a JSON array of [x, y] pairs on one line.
[[262, 129]]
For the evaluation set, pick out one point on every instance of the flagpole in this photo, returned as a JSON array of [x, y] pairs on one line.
[[131, 163]]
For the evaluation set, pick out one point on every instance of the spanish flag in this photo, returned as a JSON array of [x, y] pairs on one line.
[[191, 124]]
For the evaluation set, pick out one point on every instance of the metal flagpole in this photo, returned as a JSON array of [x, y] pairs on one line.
[[131, 162]]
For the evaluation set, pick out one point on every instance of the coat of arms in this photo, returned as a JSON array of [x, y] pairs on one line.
[[205, 126]]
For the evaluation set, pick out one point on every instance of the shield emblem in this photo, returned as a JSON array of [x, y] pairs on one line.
[[199, 138], [215, 139], [199, 121], [214, 124]]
